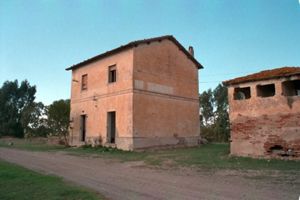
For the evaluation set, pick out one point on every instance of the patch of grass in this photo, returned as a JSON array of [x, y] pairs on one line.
[[216, 156], [17, 183], [112, 153], [209, 156], [29, 145]]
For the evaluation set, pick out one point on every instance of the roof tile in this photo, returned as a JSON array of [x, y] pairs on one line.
[[133, 44], [264, 75]]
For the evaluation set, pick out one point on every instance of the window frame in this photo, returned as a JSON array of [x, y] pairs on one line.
[[285, 87], [237, 90], [84, 84], [112, 74], [261, 87]]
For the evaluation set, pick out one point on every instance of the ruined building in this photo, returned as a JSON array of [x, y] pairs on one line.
[[264, 111], [140, 95]]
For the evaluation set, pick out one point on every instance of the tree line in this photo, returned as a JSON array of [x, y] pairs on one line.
[[21, 116], [214, 114]]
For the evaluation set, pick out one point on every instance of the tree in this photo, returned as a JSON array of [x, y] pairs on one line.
[[214, 111], [58, 118], [14, 103], [206, 107], [221, 127], [36, 118]]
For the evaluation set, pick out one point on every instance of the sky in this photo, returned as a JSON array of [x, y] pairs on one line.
[[231, 38]]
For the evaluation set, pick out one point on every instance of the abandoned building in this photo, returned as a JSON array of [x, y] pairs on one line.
[[264, 112], [140, 95]]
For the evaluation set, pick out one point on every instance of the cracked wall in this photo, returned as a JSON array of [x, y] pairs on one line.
[[265, 126]]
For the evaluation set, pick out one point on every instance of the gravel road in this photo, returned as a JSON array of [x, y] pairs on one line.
[[132, 180]]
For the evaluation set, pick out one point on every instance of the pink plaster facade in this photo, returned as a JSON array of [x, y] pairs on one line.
[[265, 126], [155, 98]]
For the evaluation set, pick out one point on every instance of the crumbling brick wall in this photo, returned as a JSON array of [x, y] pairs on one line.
[[280, 132], [265, 126]]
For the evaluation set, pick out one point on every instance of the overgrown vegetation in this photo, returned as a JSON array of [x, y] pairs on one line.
[[21, 116], [209, 156], [17, 183], [58, 118], [214, 114], [16, 102]]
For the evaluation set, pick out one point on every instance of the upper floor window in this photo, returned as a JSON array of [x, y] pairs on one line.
[[84, 82], [242, 93], [291, 88], [265, 90], [112, 74]]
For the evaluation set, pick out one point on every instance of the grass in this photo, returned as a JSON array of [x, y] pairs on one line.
[[18, 183], [209, 156], [29, 145], [216, 156]]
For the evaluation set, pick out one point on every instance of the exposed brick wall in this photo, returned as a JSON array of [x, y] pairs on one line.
[[268, 131], [265, 126]]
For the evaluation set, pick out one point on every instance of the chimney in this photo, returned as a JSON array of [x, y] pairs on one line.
[[191, 50]]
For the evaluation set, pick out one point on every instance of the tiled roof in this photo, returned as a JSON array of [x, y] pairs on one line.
[[264, 75], [133, 44]]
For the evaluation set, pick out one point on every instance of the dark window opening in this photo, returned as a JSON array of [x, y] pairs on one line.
[[82, 127], [112, 74], [111, 127], [84, 81], [265, 90], [291, 88], [242, 93]]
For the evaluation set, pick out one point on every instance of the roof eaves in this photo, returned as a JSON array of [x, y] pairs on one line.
[[133, 44], [236, 81], [199, 66]]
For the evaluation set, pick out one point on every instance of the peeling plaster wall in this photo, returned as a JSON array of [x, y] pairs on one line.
[[165, 100], [257, 124], [102, 97]]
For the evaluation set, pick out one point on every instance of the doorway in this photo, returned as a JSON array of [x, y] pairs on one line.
[[111, 127], [82, 127]]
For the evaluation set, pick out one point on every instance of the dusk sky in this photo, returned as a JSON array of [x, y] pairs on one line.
[[40, 38]]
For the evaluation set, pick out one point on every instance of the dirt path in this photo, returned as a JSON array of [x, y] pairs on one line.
[[117, 180]]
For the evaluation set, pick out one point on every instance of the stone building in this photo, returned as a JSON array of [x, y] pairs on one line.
[[264, 111], [140, 95]]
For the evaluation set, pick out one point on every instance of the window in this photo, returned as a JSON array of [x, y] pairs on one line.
[[84, 81], [112, 74], [291, 88], [265, 90], [242, 93]]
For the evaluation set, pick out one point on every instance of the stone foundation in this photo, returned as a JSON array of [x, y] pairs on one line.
[[165, 142], [138, 143]]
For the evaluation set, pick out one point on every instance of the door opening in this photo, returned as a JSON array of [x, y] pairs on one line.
[[111, 127], [82, 127]]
